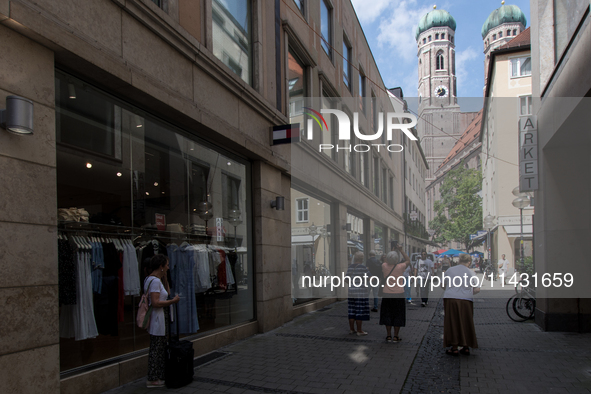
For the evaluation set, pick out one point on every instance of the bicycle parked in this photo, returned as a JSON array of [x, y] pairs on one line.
[[521, 305]]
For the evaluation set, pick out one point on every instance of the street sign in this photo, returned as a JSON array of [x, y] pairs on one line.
[[431, 232], [480, 233], [414, 215]]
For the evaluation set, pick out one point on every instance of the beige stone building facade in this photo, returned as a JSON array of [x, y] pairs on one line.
[[508, 98], [152, 128]]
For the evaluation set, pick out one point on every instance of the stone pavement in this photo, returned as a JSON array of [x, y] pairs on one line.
[[316, 354]]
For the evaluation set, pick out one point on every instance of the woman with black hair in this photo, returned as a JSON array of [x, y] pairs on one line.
[[156, 286]]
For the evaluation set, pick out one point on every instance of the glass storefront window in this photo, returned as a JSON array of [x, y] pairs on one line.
[[130, 186], [311, 245], [355, 236], [379, 239]]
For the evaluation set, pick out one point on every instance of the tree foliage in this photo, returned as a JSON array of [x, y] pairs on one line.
[[459, 211]]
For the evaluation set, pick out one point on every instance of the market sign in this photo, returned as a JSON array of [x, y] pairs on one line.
[[285, 134], [528, 153]]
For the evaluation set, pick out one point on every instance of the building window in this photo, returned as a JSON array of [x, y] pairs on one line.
[[443, 36], [374, 112], [429, 38], [514, 32], [231, 33], [494, 37], [439, 61], [451, 38], [424, 40], [361, 91], [296, 85], [300, 4], [525, 106], [385, 185], [437, 36], [508, 33], [500, 34], [520, 67], [376, 176], [302, 210], [327, 132], [326, 27], [364, 169], [346, 64], [391, 192]]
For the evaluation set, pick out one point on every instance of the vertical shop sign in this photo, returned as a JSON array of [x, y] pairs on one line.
[[528, 153]]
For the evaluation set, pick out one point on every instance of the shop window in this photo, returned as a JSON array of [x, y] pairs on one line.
[[302, 209], [135, 187], [231, 33], [520, 67], [326, 27], [312, 248]]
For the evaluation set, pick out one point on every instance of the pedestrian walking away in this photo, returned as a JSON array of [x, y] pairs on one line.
[[358, 308], [458, 322], [393, 310], [424, 268], [375, 267], [503, 266], [156, 286]]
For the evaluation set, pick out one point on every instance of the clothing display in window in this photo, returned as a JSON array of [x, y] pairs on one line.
[[77, 321]]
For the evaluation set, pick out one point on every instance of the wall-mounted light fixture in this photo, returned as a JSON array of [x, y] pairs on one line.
[[347, 227], [279, 203], [18, 115], [71, 91]]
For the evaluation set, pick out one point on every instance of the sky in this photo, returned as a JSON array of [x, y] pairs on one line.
[[389, 26]]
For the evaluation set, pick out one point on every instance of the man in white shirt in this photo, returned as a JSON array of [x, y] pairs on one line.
[[503, 266]]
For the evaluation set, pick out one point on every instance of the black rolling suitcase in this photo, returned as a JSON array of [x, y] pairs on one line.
[[179, 356]]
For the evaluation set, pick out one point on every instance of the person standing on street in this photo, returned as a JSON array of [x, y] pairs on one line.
[[503, 266], [375, 267], [358, 308], [458, 322], [424, 269], [393, 311]]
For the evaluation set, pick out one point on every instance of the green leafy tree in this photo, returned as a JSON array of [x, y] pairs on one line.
[[459, 211]]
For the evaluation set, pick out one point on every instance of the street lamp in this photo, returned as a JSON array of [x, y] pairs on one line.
[[313, 230], [489, 223], [521, 202]]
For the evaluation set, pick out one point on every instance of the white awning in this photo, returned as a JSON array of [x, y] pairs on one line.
[[303, 239], [515, 231]]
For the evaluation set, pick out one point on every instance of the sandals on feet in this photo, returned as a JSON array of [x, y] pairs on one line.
[[451, 352], [396, 339], [388, 339], [362, 333], [465, 351], [352, 332]]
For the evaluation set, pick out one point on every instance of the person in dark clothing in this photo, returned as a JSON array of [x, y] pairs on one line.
[[375, 268]]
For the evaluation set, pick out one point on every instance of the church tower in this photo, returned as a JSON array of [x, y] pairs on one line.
[[440, 123], [501, 26]]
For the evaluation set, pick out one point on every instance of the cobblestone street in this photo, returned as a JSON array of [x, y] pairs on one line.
[[316, 354]]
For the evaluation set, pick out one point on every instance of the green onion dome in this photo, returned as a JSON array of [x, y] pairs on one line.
[[503, 14], [435, 18]]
